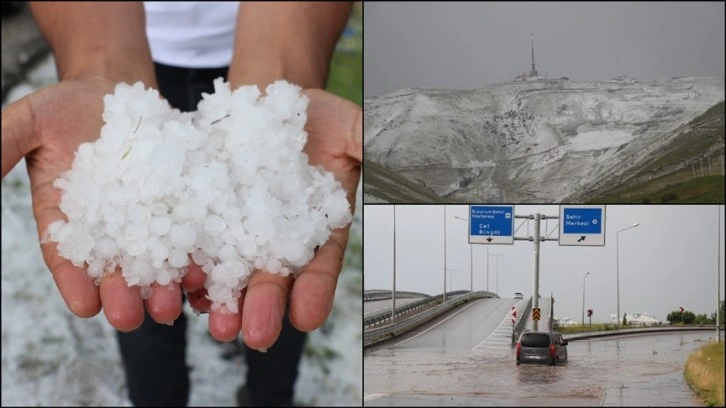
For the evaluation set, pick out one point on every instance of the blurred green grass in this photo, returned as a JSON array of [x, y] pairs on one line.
[[346, 68]]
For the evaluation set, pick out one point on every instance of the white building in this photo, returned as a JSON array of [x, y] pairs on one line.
[[641, 319], [564, 322]]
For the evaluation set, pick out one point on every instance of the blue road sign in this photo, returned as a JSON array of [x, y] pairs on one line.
[[582, 225], [582, 221], [491, 224]]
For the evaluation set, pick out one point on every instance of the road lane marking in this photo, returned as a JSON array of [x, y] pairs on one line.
[[505, 326]]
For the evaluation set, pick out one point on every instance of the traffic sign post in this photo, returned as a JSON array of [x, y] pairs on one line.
[[514, 317], [589, 317], [535, 313], [582, 225], [491, 224]]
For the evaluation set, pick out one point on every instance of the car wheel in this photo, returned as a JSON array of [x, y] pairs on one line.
[[518, 363]]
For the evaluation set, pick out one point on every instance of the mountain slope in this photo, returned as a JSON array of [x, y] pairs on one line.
[[385, 186], [675, 171], [539, 141]]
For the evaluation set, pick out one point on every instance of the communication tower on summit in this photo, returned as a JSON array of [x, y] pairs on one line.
[[533, 72], [532, 75]]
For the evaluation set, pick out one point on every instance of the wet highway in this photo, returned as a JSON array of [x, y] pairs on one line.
[[441, 365]]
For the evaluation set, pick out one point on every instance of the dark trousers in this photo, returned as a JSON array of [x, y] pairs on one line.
[[154, 355]]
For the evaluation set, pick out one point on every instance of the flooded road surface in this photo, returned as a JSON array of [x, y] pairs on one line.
[[427, 376]]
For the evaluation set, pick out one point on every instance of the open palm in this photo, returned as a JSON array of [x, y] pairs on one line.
[[334, 128], [47, 127]]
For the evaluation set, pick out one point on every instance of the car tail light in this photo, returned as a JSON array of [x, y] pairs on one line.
[[552, 351], [519, 347]]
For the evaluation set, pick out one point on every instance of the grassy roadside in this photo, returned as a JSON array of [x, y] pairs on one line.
[[586, 328], [578, 328], [610, 326], [704, 372]]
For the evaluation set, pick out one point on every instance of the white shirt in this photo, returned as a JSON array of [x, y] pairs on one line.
[[191, 34]]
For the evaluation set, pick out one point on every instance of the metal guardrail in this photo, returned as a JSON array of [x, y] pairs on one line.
[[370, 296], [376, 335], [519, 327], [636, 331], [385, 317]]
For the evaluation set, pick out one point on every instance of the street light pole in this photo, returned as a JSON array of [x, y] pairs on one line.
[[487, 268], [471, 259], [451, 278], [393, 292], [444, 253], [617, 266], [583, 296], [497, 271], [718, 276]]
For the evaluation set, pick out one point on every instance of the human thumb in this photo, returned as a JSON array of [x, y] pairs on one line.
[[18, 134]]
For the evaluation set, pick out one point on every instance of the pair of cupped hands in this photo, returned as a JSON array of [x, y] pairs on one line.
[[47, 126]]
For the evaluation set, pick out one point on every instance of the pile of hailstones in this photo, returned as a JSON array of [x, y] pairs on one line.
[[227, 186]]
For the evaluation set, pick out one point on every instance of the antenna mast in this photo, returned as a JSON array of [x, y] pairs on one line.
[[531, 37]]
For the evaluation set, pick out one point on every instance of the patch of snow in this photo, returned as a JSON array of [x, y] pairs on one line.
[[599, 139]]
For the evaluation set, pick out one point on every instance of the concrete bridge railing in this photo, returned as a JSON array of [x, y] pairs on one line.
[[385, 317]]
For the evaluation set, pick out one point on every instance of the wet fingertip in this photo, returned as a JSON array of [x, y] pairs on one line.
[[224, 325], [84, 309]]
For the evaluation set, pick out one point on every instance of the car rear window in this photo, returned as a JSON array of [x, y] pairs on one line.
[[535, 340]]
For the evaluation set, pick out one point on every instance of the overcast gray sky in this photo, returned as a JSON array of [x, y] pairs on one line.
[[467, 45], [669, 260]]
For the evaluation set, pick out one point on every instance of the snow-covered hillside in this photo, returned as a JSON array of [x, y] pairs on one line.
[[536, 141]]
